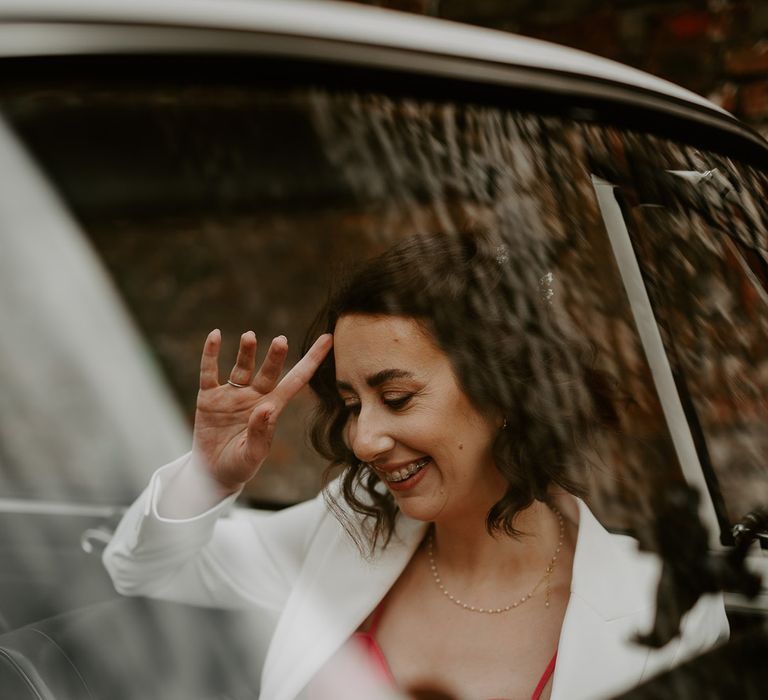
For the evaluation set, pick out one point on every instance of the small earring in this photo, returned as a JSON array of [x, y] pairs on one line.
[[504, 424]]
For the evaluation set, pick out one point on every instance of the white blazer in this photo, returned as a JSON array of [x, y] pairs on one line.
[[300, 564]]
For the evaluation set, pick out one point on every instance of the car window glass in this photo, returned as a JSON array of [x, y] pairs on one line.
[[78, 383], [698, 226], [234, 205]]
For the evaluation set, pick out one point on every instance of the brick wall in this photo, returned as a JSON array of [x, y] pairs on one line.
[[717, 48]]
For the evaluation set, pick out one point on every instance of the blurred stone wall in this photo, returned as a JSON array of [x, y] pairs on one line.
[[716, 48]]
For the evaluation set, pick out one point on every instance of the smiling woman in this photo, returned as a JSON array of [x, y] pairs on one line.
[[411, 424], [443, 306], [455, 408]]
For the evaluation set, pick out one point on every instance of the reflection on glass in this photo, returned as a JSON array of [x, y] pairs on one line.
[[703, 252], [236, 207]]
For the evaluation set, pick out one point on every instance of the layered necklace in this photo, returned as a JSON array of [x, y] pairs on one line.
[[545, 579]]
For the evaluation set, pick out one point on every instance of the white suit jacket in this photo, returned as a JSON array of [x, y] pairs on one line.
[[300, 564]]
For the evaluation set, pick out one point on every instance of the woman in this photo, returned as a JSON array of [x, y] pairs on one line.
[[451, 544]]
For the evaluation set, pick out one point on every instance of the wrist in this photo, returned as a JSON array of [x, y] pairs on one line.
[[226, 489], [204, 475], [189, 491]]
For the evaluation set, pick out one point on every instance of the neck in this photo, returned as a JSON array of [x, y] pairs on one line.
[[466, 547]]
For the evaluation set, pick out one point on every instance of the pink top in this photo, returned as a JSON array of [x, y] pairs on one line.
[[371, 647]]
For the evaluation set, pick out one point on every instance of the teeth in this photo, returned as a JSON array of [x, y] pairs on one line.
[[406, 472]]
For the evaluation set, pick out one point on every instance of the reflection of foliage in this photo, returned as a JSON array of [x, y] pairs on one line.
[[699, 225], [235, 207], [426, 167], [690, 570], [733, 670]]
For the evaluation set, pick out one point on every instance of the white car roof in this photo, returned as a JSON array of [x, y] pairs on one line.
[[339, 22]]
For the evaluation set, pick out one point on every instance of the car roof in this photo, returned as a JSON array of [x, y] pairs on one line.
[[369, 37], [340, 21]]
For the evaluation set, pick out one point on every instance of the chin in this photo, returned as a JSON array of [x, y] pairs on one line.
[[420, 508]]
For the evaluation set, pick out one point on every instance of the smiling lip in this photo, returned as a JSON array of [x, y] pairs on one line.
[[399, 479]]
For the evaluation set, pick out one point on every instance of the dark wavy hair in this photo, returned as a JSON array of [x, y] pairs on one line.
[[510, 359]]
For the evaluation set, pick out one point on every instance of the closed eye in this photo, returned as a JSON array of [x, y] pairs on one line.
[[397, 402]]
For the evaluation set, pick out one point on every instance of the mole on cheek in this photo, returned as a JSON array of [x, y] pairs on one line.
[[461, 445]]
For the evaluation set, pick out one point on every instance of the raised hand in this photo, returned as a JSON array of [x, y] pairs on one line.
[[235, 421]]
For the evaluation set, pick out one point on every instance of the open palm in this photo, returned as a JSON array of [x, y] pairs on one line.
[[235, 421]]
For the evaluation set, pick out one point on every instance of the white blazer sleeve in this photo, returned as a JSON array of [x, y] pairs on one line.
[[224, 557], [703, 627]]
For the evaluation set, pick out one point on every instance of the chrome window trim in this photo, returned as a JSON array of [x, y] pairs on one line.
[[653, 347], [21, 506]]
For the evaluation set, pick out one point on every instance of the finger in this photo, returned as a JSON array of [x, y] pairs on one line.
[[209, 362], [272, 367], [246, 359], [261, 429], [260, 426], [302, 371]]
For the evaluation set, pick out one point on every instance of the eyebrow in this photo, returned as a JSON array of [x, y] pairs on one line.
[[379, 378]]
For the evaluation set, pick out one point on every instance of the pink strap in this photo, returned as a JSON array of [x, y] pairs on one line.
[[373, 648], [545, 678]]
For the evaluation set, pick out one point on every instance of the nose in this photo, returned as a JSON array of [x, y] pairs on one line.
[[369, 436]]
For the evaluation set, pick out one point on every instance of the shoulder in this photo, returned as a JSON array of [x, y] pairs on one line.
[[310, 523], [616, 575], [294, 526], [610, 567]]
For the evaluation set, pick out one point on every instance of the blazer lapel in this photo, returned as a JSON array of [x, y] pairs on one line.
[[334, 593], [612, 598]]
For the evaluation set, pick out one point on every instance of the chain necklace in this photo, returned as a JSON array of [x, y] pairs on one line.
[[495, 611]]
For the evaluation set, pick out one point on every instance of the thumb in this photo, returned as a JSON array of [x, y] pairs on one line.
[[261, 427]]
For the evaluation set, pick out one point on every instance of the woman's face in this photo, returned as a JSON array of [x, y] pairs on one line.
[[410, 420]]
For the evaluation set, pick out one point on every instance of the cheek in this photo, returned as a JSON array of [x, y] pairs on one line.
[[475, 442]]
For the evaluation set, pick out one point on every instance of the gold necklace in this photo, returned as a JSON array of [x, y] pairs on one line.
[[495, 611]]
